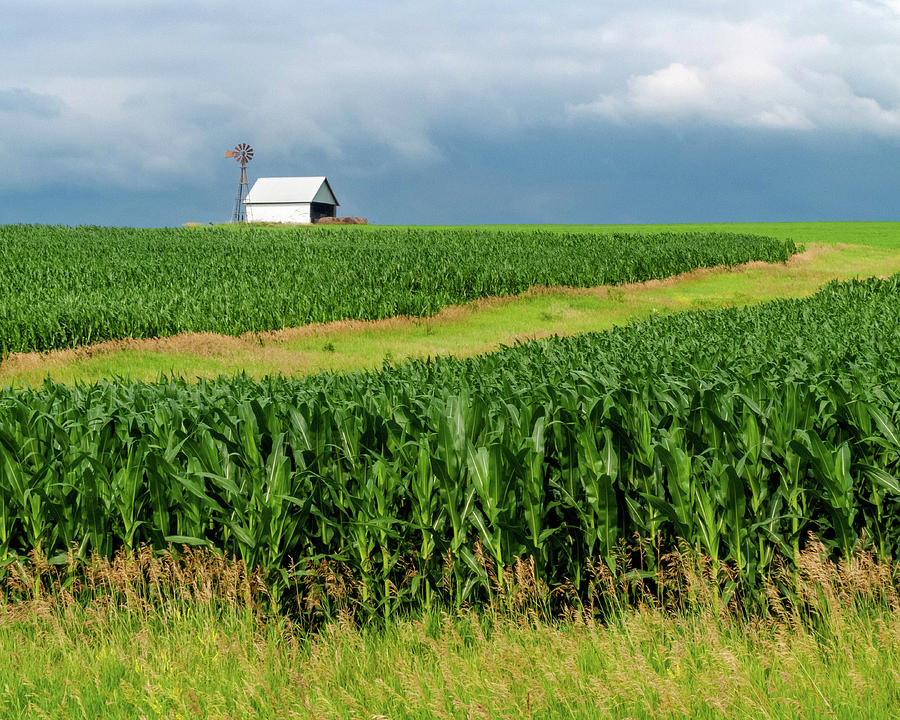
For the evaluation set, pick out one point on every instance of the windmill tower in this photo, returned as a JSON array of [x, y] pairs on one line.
[[243, 154]]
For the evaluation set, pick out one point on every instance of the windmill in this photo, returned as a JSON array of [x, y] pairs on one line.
[[243, 154]]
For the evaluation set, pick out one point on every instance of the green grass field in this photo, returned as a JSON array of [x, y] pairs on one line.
[[203, 648], [222, 663]]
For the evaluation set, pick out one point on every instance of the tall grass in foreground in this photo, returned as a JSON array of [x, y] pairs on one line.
[[61, 287], [206, 650]]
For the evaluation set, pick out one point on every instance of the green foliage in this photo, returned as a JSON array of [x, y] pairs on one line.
[[205, 660], [62, 287], [738, 431]]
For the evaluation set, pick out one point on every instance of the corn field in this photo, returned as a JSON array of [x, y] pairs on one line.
[[739, 432], [63, 287]]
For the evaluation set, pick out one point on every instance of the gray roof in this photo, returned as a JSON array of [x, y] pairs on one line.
[[292, 190]]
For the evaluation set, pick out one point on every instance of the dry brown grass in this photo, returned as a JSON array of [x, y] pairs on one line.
[[685, 582], [139, 581]]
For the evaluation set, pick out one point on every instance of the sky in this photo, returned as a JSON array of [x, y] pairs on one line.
[[464, 112]]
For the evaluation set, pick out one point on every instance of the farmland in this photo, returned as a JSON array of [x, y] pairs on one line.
[[834, 251], [687, 514], [64, 287], [737, 431]]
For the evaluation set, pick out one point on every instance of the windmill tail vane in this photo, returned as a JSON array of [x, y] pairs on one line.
[[243, 154]]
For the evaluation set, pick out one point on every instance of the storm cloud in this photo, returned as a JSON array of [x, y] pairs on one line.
[[453, 112]]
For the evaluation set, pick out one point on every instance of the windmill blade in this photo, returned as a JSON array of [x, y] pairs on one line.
[[242, 153]]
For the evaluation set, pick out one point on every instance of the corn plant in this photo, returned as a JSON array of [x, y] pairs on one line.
[[739, 432], [62, 287]]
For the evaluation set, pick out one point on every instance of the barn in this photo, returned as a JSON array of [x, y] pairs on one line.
[[290, 200]]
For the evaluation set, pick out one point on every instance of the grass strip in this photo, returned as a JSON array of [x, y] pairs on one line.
[[462, 331]]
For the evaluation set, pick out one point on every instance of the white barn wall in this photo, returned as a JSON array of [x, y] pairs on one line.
[[278, 212], [289, 199]]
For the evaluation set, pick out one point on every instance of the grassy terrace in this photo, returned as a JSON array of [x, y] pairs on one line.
[[833, 251]]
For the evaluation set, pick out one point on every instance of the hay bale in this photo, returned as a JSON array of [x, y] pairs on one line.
[[342, 221]]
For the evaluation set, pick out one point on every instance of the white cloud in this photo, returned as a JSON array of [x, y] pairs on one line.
[[148, 95], [780, 116], [674, 89], [802, 71]]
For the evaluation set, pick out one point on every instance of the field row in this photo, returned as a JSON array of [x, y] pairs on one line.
[[739, 431], [62, 287]]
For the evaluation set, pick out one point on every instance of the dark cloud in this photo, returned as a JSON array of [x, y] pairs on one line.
[[21, 101], [482, 110], [578, 174]]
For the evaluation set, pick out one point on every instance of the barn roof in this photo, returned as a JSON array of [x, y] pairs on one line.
[[291, 190]]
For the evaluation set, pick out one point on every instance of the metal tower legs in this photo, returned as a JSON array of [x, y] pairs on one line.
[[239, 214]]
